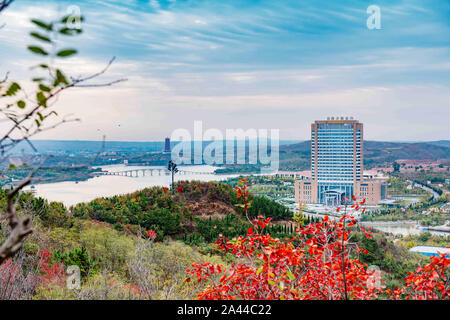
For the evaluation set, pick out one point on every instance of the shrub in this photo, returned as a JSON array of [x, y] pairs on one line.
[[158, 269], [79, 257], [169, 223], [100, 286], [110, 248]]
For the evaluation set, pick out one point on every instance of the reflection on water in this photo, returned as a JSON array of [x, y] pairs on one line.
[[70, 192]]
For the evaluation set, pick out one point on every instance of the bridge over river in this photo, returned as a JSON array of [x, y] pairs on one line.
[[135, 173]]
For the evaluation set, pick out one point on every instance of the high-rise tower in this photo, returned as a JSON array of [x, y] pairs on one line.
[[337, 164], [167, 145]]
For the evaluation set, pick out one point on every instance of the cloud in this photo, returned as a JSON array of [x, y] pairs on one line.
[[256, 63]]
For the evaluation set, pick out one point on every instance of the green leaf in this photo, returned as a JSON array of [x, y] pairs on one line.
[[66, 53], [11, 167], [21, 104], [42, 24], [38, 123], [60, 78], [69, 31], [77, 18], [44, 88], [40, 96], [37, 79], [12, 90], [290, 275], [259, 271], [40, 37], [37, 50]]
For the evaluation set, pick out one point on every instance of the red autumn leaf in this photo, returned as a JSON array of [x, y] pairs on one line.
[[320, 251]]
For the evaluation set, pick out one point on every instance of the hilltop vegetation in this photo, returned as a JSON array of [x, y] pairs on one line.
[[200, 210]]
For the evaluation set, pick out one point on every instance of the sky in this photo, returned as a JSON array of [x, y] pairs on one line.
[[246, 64]]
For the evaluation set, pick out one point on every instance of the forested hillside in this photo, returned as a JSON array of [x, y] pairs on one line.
[[376, 153], [147, 245], [198, 212]]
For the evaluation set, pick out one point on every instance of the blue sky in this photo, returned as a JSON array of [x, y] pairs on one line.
[[249, 64]]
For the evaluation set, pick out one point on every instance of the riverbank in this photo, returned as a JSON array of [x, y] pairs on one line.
[[404, 228], [73, 192]]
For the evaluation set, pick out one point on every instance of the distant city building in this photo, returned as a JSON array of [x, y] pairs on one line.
[[167, 146], [337, 165], [294, 174]]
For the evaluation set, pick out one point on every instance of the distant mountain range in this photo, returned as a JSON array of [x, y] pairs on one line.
[[85, 146], [376, 153], [294, 155], [443, 143]]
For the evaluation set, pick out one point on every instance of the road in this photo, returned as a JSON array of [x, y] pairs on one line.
[[434, 193]]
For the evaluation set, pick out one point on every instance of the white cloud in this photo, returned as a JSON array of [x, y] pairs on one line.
[[271, 65]]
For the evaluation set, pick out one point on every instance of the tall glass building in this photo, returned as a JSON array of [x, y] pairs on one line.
[[336, 163]]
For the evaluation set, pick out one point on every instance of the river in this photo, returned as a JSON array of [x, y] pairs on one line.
[[405, 227], [400, 227], [70, 192]]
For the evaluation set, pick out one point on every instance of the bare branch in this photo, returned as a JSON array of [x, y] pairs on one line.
[[20, 227], [75, 83], [24, 125], [106, 84], [4, 4], [5, 78]]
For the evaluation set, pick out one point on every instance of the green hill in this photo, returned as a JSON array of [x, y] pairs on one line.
[[376, 153]]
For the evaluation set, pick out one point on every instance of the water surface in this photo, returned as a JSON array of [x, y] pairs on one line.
[[71, 192]]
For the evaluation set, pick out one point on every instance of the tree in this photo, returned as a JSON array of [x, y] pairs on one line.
[[172, 167], [27, 113], [4, 4], [430, 282], [396, 166], [316, 264]]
